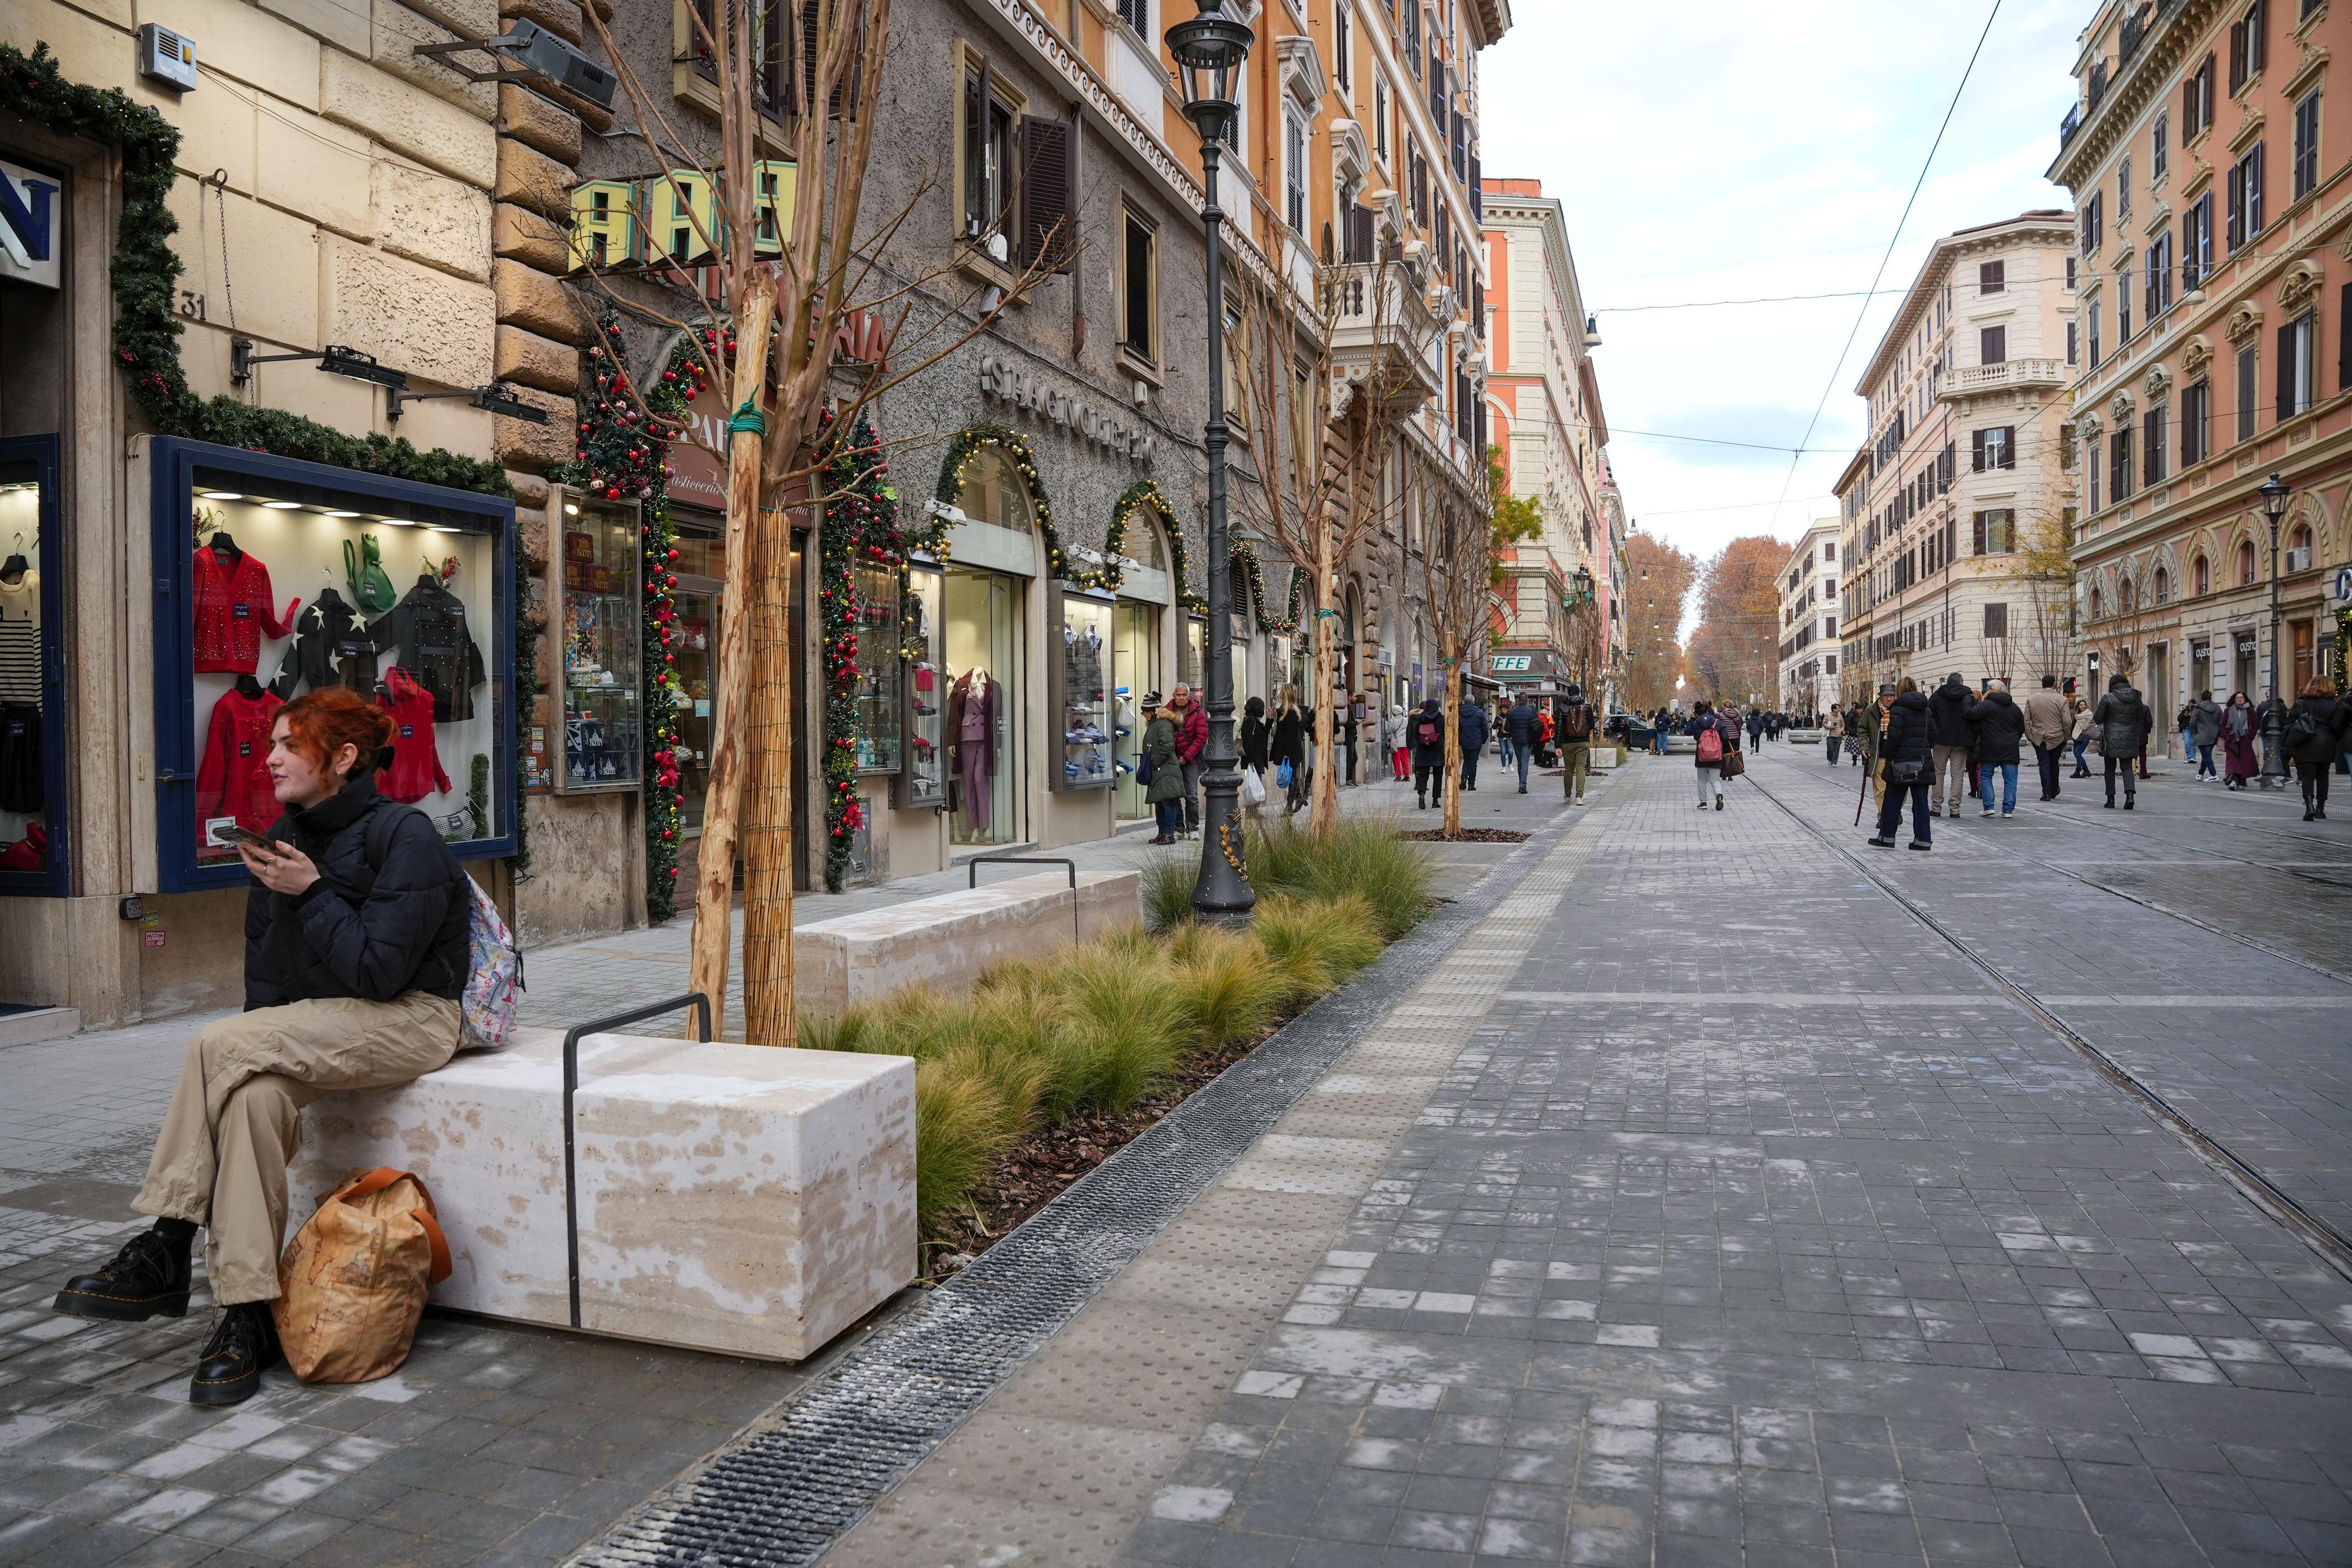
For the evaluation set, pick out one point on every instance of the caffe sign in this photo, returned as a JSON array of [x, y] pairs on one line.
[[1003, 382]]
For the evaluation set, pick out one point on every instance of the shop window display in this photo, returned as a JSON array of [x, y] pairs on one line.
[[600, 616], [32, 728], [1192, 659], [1082, 704], [298, 572], [983, 616], [881, 729], [923, 654], [1135, 668]]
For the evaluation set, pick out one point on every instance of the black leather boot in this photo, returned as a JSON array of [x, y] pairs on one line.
[[147, 1278], [243, 1346]]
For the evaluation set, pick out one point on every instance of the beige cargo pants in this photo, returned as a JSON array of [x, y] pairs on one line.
[[235, 1120]]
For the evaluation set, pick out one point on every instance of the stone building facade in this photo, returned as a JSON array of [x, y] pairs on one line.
[[2214, 233], [1968, 461], [1809, 623]]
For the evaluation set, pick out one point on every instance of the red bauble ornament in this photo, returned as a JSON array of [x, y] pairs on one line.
[[613, 493]]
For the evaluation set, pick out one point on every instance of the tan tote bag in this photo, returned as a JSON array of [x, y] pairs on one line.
[[351, 1285]]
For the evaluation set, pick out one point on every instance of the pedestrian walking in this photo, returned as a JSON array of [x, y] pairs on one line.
[[1161, 737], [1472, 720], [1755, 729], [1833, 735], [1392, 741], [1521, 727], [2121, 722], [1715, 734], [1854, 737], [2185, 721], [1429, 754], [1573, 727], [1255, 733], [1658, 732], [2047, 727], [356, 953], [2314, 739], [1503, 746], [2238, 736], [1948, 712], [2205, 732], [2081, 737], [1872, 731], [1288, 750], [1192, 722], [2000, 727], [1907, 750]]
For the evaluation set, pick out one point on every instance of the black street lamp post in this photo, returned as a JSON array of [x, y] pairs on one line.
[[1209, 51], [2276, 493]]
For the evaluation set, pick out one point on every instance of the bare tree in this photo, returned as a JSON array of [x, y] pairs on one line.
[[2045, 565], [789, 265], [1461, 572], [1322, 387]]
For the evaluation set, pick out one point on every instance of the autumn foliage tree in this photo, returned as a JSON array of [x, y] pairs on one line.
[[1737, 649], [1658, 577]]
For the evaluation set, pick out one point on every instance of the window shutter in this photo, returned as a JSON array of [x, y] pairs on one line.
[[1477, 192], [2009, 447], [2344, 342], [2254, 190], [2188, 108], [2151, 448], [1360, 233], [2285, 402], [2258, 47], [1976, 450], [2237, 56], [1047, 221], [1438, 100]]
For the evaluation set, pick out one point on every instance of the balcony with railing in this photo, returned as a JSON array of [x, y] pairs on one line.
[[2012, 375], [1385, 335]]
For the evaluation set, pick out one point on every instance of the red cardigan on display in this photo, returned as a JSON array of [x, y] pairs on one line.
[[233, 778], [233, 608], [416, 771]]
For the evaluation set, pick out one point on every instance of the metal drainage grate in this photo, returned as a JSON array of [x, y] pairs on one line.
[[784, 1494]]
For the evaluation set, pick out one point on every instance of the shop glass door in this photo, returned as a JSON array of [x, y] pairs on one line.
[[986, 770], [1135, 670], [697, 648]]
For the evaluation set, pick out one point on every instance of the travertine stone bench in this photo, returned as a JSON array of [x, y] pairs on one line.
[[733, 1197], [945, 941]]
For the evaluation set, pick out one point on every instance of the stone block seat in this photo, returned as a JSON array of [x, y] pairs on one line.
[[737, 1199], [1796, 736], [945, 941]]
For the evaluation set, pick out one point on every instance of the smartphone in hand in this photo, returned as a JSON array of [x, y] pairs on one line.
[[246, 837]]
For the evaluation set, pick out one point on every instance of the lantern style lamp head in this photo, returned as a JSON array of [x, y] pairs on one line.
[[2276, 493], [1583, 582], [1209, 50]]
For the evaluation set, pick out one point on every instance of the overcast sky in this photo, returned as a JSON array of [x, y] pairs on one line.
[[1723, 150]]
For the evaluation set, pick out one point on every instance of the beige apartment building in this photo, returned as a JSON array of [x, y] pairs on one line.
[[1545, 417], [1968, 457], [1809, 623], [2207, 165]]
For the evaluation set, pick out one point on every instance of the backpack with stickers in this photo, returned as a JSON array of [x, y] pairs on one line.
[[493, 962]]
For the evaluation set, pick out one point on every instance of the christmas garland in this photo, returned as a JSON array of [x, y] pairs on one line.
[[623, 454], [860, 524], [1144, 493], [1245, 553]]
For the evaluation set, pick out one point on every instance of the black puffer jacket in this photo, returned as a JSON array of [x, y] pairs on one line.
[[2123, 721], [356, 931], [1948, 713], [2319, 751], [1999, 725], [1909, 734]]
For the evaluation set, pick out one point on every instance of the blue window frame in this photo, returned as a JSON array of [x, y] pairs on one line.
[[342, 507], [28, 485]]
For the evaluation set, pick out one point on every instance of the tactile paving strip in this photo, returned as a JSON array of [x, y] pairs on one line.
[[782, 1495]]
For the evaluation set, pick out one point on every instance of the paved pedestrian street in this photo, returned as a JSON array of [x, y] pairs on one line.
[[1696, 1188], [1704, 1208]]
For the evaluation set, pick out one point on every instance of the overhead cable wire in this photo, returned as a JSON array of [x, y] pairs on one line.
[[1893, 240]]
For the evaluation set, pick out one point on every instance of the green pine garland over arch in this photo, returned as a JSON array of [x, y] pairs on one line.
[[1247, 553]]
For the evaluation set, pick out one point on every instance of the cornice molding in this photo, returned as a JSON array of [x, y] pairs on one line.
[[2123, 100]]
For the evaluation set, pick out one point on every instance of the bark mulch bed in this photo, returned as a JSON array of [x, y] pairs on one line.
[[1056, 1154], [1466, 836]]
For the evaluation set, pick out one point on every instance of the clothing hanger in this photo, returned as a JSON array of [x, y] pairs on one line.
[[224, 550], [247, 687], [13, 569]]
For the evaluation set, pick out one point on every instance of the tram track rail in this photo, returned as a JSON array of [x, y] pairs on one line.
[[2256, 943], [2330, 1243]]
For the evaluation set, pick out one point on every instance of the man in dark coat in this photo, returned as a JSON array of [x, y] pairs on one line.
[[1473, 740], [1425, 732], [1907, 750], [1522, 725], [1947, 718], [2000, 725], [2122, 722]]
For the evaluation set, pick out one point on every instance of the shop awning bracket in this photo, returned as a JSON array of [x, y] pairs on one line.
[[495, 398], [334, 357]]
